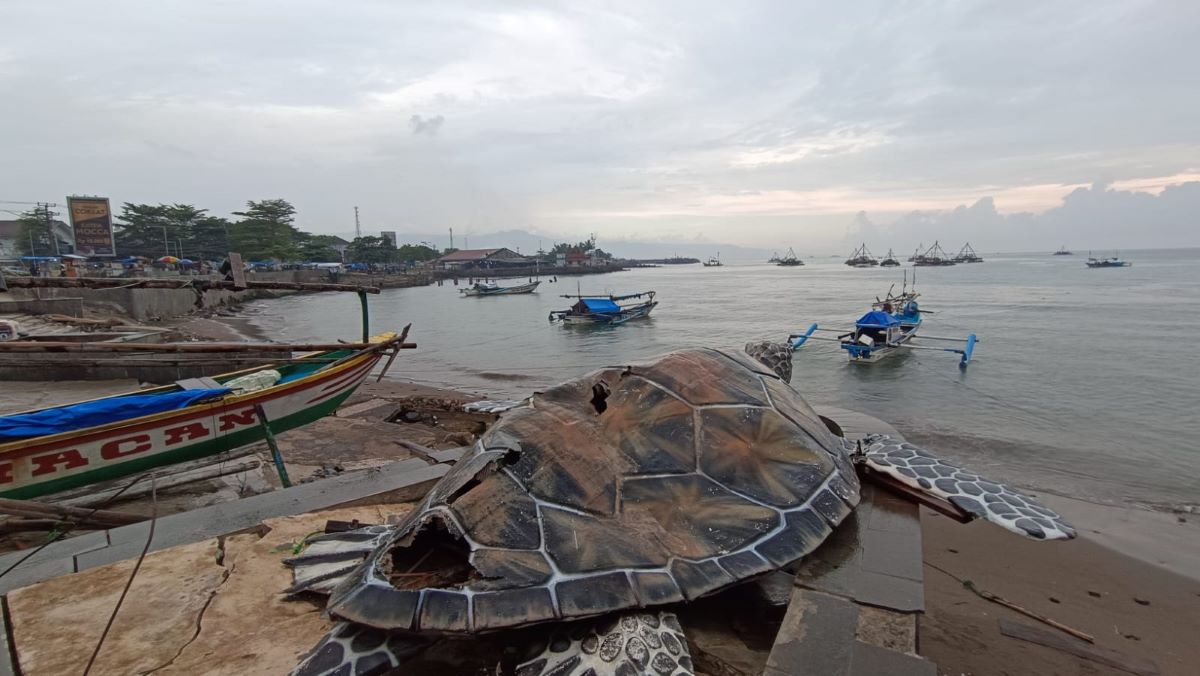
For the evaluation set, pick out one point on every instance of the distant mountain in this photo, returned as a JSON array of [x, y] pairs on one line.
[[529, 242]]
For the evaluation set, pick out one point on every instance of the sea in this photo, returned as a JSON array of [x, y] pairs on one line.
[[1084, 383]]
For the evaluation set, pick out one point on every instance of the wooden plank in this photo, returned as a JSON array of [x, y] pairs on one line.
[[237, 269], [1049, 639]]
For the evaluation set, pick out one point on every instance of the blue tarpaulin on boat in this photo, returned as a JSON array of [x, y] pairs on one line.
[[95, 413], [601, 306], [877, 319]]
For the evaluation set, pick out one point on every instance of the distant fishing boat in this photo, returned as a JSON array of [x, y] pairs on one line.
[[933, 256], [889, 261], [917, 253], [774, 257], [714, 262], [595, 310], [887, 329], [493, 289], [1063, 252], [967, 255], [790, 260], [52, 449], [861, 258], [1111, 262]]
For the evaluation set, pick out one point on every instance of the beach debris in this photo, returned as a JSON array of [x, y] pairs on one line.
[[1109, 658], [1095, 594], [606, 496], [1054, 600], [1141, 601]]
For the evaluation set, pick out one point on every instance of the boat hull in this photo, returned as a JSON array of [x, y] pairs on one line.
[[638, 312], [862, 354], [507, 291], [34, 467]]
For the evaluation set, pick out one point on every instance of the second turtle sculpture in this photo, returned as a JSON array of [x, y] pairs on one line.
[[614, 496]]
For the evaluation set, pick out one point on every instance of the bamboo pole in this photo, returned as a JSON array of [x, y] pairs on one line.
[[41, 509], [161, 283]]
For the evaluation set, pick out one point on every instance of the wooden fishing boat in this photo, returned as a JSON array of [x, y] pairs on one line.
[[49, 450], [1062, 251], [790, 260], [889, 261], [861, 258], [1111, 262], [714, 262], [605, 310], [889, 328], [933, 256], [968, 255], [493, 289]]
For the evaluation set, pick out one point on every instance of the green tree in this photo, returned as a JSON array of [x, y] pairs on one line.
[[371, 250], [209, 240], [155, 230], [34, 237], [266, 230], [416, 252], [318, 248]]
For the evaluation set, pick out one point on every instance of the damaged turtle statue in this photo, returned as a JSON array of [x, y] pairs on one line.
[[617, 496]]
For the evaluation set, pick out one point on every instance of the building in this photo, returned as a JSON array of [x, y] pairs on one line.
[[389, 236], [339, 245], [10, 233], [481, 259]]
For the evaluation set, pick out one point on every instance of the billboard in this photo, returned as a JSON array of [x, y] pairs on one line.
[[91, 219]]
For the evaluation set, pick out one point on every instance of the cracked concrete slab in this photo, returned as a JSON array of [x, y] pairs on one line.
[[210, 607]]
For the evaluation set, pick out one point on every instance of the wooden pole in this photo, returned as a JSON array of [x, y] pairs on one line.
[[366, 316], [43, 510], [275, 454], [166, 283]]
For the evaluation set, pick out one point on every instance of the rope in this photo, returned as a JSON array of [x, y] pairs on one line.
[[128, 583]]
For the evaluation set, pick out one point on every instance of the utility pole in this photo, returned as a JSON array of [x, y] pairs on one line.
[[166, 242], [451, 238], [44, 207], [357, 227]]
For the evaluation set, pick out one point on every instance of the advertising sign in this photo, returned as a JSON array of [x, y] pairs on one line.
[[91, 219]]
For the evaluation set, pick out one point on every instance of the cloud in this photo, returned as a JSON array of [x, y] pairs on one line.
[[428, 126], [754, 123]]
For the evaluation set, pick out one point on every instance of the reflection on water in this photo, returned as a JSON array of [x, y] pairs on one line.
[[1083, 382]]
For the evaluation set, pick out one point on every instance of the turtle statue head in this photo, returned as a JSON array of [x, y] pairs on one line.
[[775, 356]]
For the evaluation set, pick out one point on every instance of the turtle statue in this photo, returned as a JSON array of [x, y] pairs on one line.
[[615, 496]]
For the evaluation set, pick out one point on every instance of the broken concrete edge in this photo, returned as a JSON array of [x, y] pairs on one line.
[[8, 651]]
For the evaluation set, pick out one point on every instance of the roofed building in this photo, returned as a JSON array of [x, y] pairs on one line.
[[481, 259]]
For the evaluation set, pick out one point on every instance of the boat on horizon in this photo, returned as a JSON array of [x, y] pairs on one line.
[[889, 261], [605, 310], [933, 256], [790, 260], [493, 289], [714, 262], [967, 255], [861, 258], [1110, 262], [56, 448], [1063, 252]]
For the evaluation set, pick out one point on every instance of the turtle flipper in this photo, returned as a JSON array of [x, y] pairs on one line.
[[629, 643], [328, 558], [357, 650], [917, 468]]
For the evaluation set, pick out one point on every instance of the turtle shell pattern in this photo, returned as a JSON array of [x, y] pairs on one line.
[[629, 487]]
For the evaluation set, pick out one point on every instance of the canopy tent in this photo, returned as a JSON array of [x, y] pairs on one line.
[[601, 306], [876, 319]]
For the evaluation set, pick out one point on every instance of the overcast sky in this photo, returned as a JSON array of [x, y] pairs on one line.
[[1015, 125]]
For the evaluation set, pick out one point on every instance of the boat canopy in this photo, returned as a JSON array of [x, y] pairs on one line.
[[100, 412], [601, 306], [877, 319]]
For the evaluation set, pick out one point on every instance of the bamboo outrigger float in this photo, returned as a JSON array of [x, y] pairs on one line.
[[48, 450]]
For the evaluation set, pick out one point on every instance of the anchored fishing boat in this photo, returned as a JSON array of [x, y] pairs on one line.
[[493, 289], [714, 262], [933, 256], [967, 255], [861, 258], [1111, 262], [889, 261], [596, 310], [1062, 251], [48, 450], [790, 260], [889, 328]]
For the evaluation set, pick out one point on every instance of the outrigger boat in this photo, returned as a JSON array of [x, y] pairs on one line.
[[52, 449], [594, 310], [888, 328], [493, 289]]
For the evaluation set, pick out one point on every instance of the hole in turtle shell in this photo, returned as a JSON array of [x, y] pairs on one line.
[[600, 393], [432, 558]]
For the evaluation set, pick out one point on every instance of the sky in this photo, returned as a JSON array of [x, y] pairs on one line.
[[1013, 125]]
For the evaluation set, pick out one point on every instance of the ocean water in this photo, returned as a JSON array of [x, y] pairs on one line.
[[1085, 382]]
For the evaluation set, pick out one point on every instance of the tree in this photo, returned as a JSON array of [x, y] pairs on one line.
[[371, 250], [266, 230], [155, 230], [318, 248], [416, 252], [210, 239], [34, 238]]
